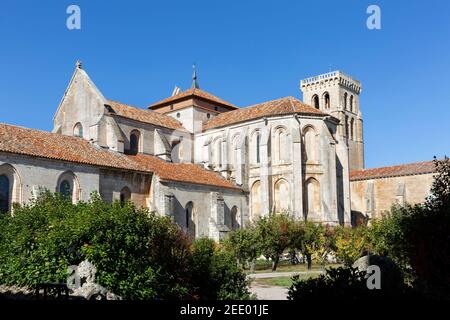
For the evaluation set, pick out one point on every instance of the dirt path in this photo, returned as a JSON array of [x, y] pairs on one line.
[[268, 292], [264, 292]]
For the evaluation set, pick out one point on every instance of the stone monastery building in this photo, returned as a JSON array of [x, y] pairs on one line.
[[207, 163]]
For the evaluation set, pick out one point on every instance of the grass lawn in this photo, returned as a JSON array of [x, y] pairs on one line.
[[284, 281]]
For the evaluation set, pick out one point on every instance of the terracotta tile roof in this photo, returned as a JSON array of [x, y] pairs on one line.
[[287, 105], [194, 92], [54, 146], [147, 116], [182, 172], [59, 147], [393, 171]]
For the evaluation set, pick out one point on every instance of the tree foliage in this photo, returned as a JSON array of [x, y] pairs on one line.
[[244, 244], [138, 255], [275, 236]]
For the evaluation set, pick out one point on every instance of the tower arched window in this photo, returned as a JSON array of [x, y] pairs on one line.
[[351, 103], [346, 127], [78, 130], [135, 138], [315, 101], [345, 100], [4, 193], [326, 99], [352, 129]]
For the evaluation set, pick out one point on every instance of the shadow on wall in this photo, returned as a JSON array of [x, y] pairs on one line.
[[340, 191]]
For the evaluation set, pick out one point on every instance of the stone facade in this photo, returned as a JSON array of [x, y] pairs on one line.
[[374, 191], [209, 165]]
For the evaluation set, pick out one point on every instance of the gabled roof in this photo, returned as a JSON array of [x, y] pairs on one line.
[[146, 116], [193, 93], [393, 171], [283, 106], [43, 144], [49, 145]]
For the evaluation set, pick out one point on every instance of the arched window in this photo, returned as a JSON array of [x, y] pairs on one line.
[[217, 152], [315, 101], [281, 196], [352, 128], [326, 100], [68, 186], [4, 193], [351, 103], [255, 141], [256, 201], [258, 142], [312, 198], [10, 187], [125, 195], [78, 130], [345, 101], [235, 218], [346, 127], [280, 149], [310, 145], [235, 151], [190, 219], [135, 142], [65, 189]]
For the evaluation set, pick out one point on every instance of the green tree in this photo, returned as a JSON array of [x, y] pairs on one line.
[[244, 244], [275, 235], [350, 243], [309, 239]]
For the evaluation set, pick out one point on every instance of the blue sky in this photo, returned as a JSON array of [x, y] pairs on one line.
[[246, 51]]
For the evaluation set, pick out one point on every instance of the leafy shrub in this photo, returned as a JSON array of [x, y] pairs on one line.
[[215, 273], [350, 243], [418, 237], [343, 283], [138, 255]]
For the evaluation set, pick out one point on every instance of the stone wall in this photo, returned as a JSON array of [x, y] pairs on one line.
[[372, 197], [35, 173], [211, 213]]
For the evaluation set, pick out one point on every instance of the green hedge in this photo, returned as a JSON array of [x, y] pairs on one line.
[[138, 254]]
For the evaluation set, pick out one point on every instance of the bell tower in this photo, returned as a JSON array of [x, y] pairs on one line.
[[338, 94]]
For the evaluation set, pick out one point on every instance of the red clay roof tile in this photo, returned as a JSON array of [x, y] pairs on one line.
[[194, 92], [287, 105], [393, 171], [182, 172], [54, 146], [147, 116]]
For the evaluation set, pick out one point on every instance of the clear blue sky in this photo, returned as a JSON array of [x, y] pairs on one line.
[[246, 51]]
